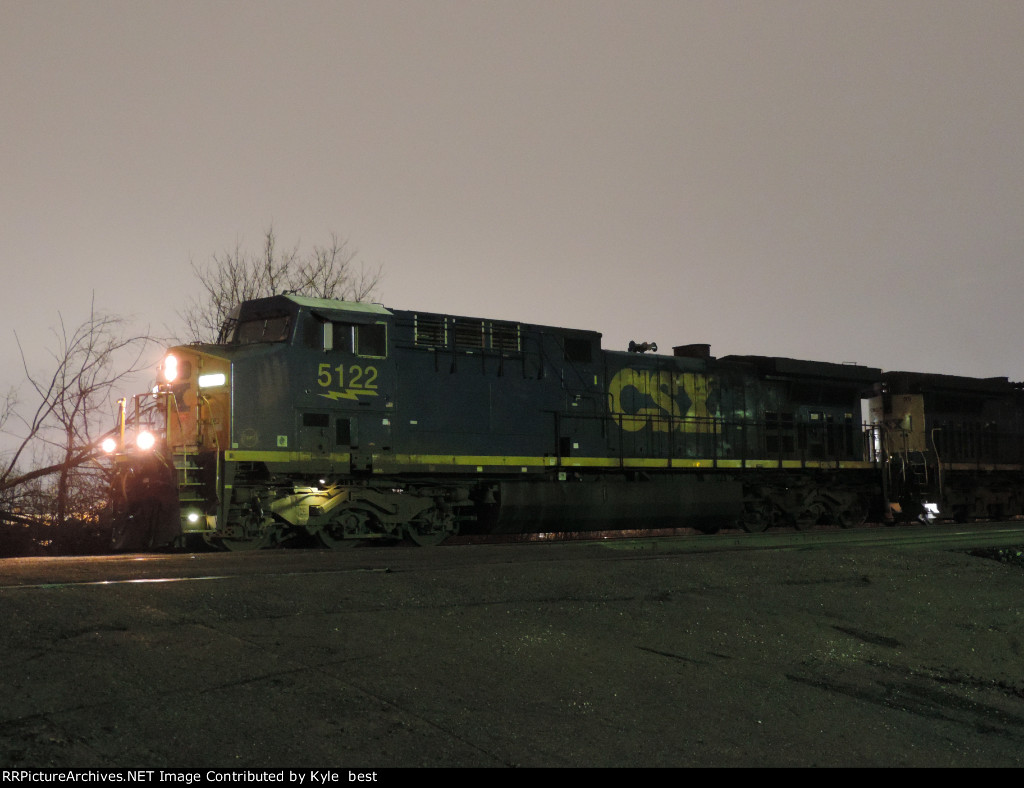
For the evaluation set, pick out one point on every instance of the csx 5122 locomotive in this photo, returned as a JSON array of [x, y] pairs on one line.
[[337, 421]]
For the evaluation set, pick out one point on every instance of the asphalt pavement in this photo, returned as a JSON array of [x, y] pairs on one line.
[[601, 654]]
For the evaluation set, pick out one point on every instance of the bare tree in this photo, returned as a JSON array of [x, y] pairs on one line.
[[232, 277], [73, 402]]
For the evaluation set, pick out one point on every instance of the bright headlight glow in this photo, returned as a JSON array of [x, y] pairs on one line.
[[108, 445], [213, 379], [170, 368], [145, 440], [193, 517]]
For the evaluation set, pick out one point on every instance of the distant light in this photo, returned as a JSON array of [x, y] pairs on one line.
[[108, 445], [146, 440], [193, 517], [213, 379]]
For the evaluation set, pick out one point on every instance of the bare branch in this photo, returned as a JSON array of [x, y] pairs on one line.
[[88, 363], [232, 277]]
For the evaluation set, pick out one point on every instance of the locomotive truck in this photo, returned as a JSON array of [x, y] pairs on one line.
[[335, 421]]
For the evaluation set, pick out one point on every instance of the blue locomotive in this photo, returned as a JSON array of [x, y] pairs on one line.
[[338, 421]]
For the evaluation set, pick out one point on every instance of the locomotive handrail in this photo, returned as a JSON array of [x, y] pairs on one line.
[[218, 454], [762, 438]]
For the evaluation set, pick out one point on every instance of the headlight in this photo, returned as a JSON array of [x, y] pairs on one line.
[[145, 440], [170, 369], [108, 445]]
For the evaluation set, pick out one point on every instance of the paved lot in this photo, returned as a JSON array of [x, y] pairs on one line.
[[599, 654]]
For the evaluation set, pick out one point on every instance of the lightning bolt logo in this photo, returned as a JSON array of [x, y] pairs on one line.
[[349, 394]]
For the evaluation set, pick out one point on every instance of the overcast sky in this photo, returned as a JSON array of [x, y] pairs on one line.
[[828, 180]]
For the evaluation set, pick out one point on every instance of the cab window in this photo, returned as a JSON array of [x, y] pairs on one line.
[[363, 339], [371, 339], [263, 329]]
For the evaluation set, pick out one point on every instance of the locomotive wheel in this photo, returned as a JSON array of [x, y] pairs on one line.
[[332, 539], [757, 516], [852, 516], [431, 528], [238, 545], [808, 517], [250, 538], [352, 522]]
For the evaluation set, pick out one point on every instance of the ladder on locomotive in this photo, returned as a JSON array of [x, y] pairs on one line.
[[187, 472], [922, 474]]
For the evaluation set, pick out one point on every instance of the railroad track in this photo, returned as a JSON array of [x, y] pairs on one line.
[[906, 535], [1003, 541]]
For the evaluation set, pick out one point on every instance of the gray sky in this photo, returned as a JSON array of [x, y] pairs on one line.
[[829, 180]]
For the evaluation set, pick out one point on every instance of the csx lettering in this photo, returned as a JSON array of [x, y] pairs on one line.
[[662, 400]]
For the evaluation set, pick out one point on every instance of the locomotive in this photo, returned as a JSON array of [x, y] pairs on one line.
[[338, 421]]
